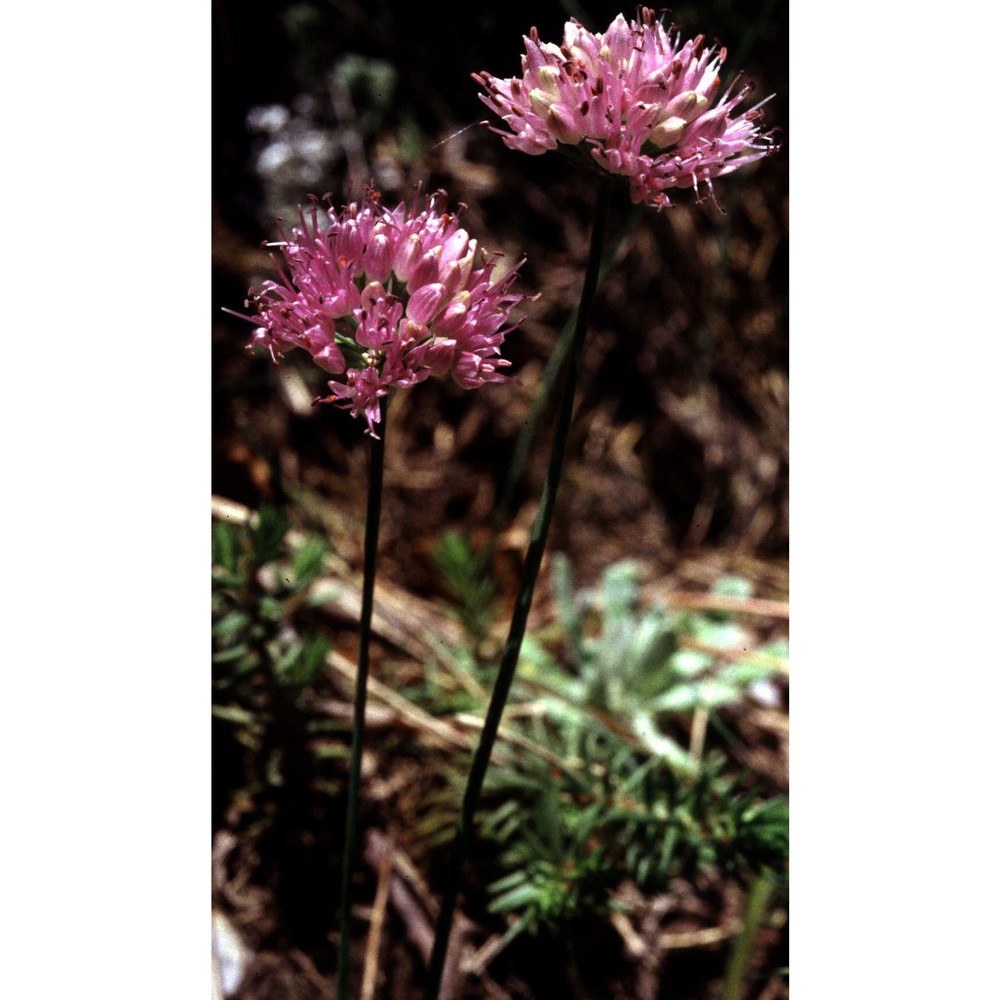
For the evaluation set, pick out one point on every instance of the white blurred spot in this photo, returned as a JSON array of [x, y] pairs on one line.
[[270, 118], [230, 957], [274, 157], [765, 693]]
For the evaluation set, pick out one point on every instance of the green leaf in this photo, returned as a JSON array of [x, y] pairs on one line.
[[462, 577], [706, 693], [267, 535], [307, 562], [300, 668], [232, 713], [649, 667], [745, 673], [620, 590], [271, 608], [733, 586], [514, 900], [230, 625], [690, 662], [508, 881], [682, 698], [645, 728], [721, 635], [779, 647], [231, 654], [225, 552], [569, 613]]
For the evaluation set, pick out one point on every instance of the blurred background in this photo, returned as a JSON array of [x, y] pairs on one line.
[[677, 461]]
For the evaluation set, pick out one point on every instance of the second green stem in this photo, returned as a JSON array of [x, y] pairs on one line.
[[372, 518], [529, 575]]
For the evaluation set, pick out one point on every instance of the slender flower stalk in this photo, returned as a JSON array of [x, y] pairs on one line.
[[553, 368], [382, 300], [644, 106], [372, 517], [529, 575]]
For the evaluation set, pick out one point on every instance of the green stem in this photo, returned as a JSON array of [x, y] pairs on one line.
[[372, 518], [739, 958], [553, 367], [532, 563]]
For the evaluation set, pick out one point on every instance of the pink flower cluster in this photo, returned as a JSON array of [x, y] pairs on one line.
[[386, 299], [641, 101]]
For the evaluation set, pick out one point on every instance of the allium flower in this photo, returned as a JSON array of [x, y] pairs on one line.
[[386, 299], [643, 103]]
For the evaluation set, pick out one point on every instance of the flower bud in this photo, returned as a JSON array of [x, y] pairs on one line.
[[667, 132], [424, 303]]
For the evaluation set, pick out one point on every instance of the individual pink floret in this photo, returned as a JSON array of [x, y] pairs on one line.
[[386, 299], [643, 103]]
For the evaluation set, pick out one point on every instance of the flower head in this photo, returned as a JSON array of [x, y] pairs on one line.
[[385, 299], [643, 103]]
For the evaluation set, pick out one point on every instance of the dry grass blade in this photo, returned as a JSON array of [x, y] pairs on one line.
[[369, 979], [756, 606], [516, 739], [413, 902], [439, 732], [698, 939]]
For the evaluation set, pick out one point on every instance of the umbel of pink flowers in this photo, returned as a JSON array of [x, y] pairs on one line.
[[385, 299], [643, 103]]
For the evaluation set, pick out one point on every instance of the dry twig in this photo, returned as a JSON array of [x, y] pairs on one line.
[[369, 979]]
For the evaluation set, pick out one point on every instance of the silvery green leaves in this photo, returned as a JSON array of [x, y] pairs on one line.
[[645, 666]]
